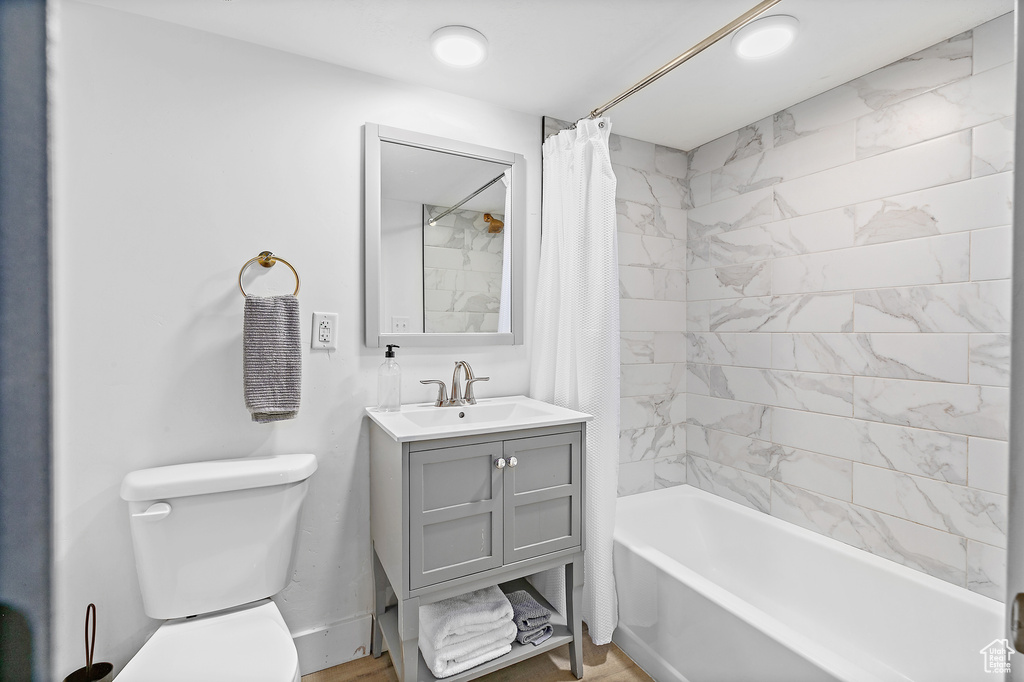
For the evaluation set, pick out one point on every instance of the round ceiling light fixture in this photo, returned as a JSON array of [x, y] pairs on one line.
[[765, 37], [459, 46]]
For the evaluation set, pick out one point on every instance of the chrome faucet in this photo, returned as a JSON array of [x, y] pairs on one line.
[[458, 397]]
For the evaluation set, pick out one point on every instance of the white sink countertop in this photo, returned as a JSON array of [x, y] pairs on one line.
[[426, 422]]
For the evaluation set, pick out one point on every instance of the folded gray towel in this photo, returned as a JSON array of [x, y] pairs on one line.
[[535, 636], [526, 612], [272, 357]]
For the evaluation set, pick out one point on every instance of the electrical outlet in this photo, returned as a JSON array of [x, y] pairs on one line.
[[399, 325], [325, 331]]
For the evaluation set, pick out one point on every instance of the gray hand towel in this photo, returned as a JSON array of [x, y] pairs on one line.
[[526, 612], [535, 636], [272, 357]]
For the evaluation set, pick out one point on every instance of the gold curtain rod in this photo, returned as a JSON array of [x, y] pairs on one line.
[[736, 23]]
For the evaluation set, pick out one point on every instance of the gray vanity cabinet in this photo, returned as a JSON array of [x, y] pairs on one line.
[[542, 495], [455, 512], [453, 515]]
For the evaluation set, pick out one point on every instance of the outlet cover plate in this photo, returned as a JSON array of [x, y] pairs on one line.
[[325, 331]]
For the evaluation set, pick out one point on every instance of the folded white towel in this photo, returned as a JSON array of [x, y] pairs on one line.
[[455, 658], [482, 658], [457, 619], [477, 645]]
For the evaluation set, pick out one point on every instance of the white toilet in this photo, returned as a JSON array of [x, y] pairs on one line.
[[213, 541]]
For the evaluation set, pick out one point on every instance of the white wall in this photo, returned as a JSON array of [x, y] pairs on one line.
[[401, 242], [178, 155]]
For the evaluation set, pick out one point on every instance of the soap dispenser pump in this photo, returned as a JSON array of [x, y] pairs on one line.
[[389, 382]]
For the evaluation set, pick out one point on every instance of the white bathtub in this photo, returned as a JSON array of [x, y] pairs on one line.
[[712, 591]]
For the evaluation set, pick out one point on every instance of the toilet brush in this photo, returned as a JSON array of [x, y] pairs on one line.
[[98, 672]]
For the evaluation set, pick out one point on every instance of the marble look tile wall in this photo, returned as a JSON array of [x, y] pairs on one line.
[[847, 312], [651, 201], [462, 264]]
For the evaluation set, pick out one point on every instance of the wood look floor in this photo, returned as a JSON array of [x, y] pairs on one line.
[[606, 663]]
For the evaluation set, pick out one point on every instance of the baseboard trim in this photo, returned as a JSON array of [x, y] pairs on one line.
[[329, 645]]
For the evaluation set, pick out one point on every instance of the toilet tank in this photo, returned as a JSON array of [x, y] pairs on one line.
[[216, 534]]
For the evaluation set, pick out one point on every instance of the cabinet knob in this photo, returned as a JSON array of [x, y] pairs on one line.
[[500, 463], [512, 461]]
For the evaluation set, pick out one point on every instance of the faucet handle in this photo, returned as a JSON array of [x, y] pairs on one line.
[[442, 392], [470, 398]]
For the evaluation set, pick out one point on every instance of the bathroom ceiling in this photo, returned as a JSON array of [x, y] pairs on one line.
[[563, 58]]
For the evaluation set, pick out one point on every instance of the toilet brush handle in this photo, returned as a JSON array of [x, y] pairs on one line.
[[90, 642]]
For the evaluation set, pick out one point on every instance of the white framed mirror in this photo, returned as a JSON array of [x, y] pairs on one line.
[[444, 241]]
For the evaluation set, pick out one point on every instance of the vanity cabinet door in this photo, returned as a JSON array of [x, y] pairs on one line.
[[455, 512], [542, 495]]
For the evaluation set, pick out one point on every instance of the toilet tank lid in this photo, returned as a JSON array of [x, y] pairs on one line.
[[215, 476]]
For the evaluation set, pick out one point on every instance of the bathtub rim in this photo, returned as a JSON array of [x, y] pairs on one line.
[[830, 661], [860, 555]]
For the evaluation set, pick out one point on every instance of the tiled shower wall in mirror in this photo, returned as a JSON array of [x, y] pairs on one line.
[[462, 261], [848, 303]]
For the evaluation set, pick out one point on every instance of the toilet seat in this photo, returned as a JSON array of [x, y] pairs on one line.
[[250, 643]]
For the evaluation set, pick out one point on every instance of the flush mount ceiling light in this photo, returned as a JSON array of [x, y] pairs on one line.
[[459, 46], [765, 37]]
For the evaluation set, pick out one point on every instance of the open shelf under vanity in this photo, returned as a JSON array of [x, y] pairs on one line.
[[520, 652]]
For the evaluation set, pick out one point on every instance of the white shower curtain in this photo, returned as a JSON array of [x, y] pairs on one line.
[[576, 338]]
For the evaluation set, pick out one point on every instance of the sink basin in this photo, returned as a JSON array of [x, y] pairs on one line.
[[425, 422], [481, 413]]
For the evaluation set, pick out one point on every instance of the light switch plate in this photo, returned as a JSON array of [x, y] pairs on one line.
[[325, 331]]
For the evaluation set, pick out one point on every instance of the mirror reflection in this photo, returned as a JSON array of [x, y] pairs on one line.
[[445, 247]]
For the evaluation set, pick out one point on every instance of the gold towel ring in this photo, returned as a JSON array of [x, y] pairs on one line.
[[267, 260]]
